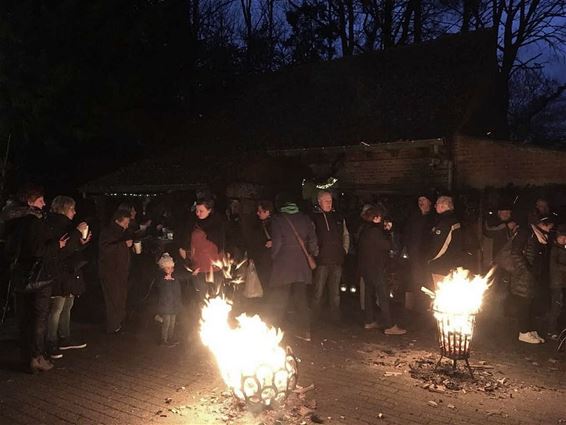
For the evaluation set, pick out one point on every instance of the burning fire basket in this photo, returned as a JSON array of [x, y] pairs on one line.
[[454, 337], [456, 301], [253, 364], [269, 387]]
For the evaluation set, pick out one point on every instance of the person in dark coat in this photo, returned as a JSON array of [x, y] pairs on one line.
[[34, 241], [170, 302], [69, 281], [333, 245], [373, 250], [113, 269], [557, 280], [495, 228], [415, 239], [291, 272], [446, 249], [261, 243], [527, 254]]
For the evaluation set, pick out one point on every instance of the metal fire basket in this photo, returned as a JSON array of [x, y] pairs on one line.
[[268, 387], [454, 337]]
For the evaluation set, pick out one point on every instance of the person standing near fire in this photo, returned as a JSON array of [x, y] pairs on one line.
[[446, 250], [528, 249], [206, 246], [374, 245], [113, 268], [333, 245], [415, 240], [291, 232]]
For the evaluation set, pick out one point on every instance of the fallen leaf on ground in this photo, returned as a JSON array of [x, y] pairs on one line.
[[302, 390], [317, 419]]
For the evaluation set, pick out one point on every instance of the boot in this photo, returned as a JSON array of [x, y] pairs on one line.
[[40, 364]]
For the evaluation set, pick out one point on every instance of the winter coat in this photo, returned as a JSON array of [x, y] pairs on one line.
[[446, 250], [416, 238], [170, 297], [15, 217], [36, 240], [207, 242], [114, 254], [289, 261], [558, 266], [373, 248], [498, 232], [260, 235], [526, 254], [69, 279], [332, 235]]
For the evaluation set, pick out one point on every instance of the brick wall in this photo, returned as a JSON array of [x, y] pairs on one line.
[[399, 166], [481, 162]]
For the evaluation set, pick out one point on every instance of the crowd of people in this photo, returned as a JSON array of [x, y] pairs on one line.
[[300, 255]]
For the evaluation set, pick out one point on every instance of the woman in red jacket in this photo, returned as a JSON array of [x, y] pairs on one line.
[[206, 246]]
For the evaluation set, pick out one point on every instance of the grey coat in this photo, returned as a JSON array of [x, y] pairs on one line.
[[289, 261]]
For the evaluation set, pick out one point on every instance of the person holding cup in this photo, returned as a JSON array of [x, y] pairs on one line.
[[69, 281], [113, 268]]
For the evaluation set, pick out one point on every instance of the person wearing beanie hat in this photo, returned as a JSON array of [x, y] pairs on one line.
[[557, 280]]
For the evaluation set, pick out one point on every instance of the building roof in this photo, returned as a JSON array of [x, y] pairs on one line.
[[431, 90]]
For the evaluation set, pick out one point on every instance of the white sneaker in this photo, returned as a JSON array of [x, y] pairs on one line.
[[537, 336], [395, 330], [372, 325], [529, 338]]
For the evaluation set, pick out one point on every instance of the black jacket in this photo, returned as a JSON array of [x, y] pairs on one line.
[[330, 235], [558, 266], [373, 248], [527, 254], [69, 279], [113, 254], [416, 235], [446, 250], [498, 232]]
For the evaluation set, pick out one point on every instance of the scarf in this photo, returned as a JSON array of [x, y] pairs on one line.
[[541, 235], [290, 208]]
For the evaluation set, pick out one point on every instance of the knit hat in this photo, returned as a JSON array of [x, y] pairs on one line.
[[561, 230], [428, 195]]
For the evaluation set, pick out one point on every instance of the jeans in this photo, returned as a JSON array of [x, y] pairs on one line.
[[278, 303], [556, 305], [33, 310], [375, 286], [327, 276], [168, 327], [59, 322]]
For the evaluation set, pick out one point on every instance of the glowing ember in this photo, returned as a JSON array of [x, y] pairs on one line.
[[252, 362]]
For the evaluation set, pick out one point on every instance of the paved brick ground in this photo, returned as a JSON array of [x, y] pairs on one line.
[[128, 379]]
